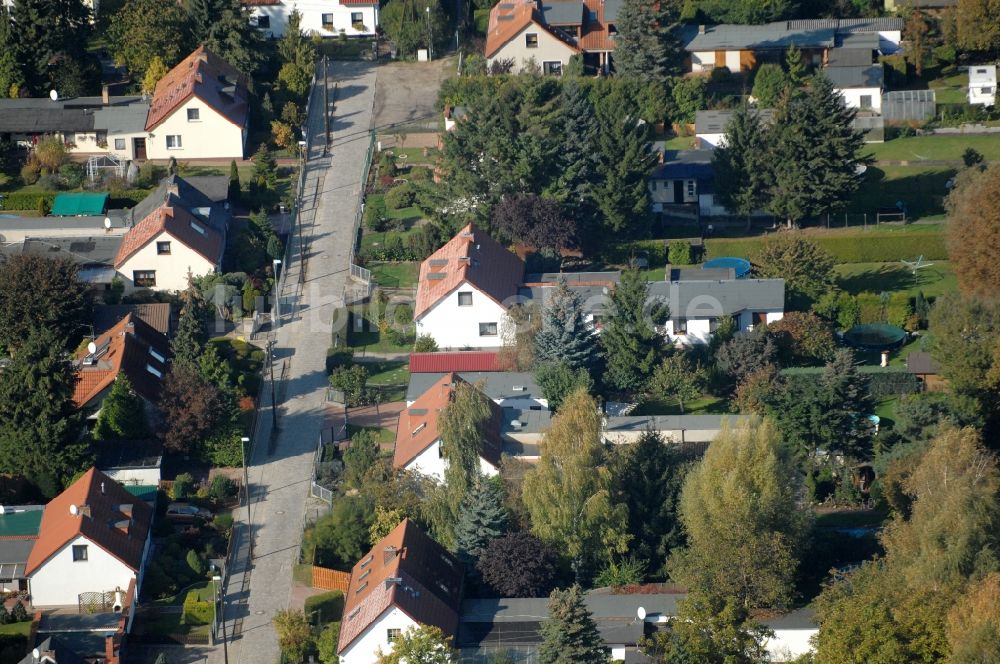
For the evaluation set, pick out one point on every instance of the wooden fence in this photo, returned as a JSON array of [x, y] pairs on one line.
[[330, 579]]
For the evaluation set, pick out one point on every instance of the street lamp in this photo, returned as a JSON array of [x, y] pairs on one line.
[[246, 484], [430, 47], [225, 647]]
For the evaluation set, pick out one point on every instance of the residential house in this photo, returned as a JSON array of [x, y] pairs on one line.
[[485, 369], [158, 315], [465, 289], [352, 18], [686, 178], [93, 255], [550, 32], [131, 348], [93, 538], [18, 531], [710, 130], [132, 463], [741, 48], [200, 109], [405, 581], [983, 85], [418, 434], [488, 627]]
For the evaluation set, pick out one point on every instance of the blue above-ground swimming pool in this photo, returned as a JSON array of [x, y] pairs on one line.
[[740, 265], [877, 337]]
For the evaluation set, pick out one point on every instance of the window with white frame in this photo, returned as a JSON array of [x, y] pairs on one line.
[[552, 68], [866, 101], [680, 326], [392, 634], [173, 141], [487, 329], [79, 553], [144, 278], [119, 144], [690, 188], [327, 20]]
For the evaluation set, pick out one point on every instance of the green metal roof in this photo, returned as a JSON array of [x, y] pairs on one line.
[[79, 204], [144, 492], [20, 524]]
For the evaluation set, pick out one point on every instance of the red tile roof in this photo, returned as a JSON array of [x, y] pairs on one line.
[[595, 33], [461, 361], [108, 505], [471, 256], [205, 75], [179, 224], [508, 18], [408, 570], [125, 348], [358, 3], [417, 427]]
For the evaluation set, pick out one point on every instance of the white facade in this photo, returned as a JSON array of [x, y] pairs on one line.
[[983, 85], [432, 463], [146, 476], [60, 580], [454, 325], [548, 50], [790, 644], [704, 61], [326, 19], [365, 648], [863, 99], [697, 330], [210, 136], [171, 270]]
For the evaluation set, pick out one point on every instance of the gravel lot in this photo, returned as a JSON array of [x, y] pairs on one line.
[[408, 91]]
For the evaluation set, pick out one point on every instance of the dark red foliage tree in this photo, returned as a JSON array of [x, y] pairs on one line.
[[519, 565], [536, 221], [190, 408]]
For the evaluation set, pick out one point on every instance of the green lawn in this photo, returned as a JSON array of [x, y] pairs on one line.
[[371, 339], [18, 629], [406, 156], [679, 143], [383, 436], [706, 405], [920, 148], [388, 372], [937, 279], [951, 89], [396, 275], [921, 188], [203, 589]]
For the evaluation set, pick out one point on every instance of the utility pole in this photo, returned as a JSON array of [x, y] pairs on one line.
[[274, 405], [430, 47], [220, 601], [246, 483]]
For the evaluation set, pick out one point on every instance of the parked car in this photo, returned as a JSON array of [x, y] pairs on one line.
[[186, 512]]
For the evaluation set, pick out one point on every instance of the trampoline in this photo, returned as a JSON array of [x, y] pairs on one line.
[[877, 337], [740, 265]]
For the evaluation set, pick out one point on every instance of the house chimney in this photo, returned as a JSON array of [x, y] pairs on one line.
[[102, 488], [105, 95], [109, 650], [388, 554], [701, 29]]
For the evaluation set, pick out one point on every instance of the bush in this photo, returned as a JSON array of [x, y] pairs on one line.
[[386, 165], [375, 214], [49, 182], [223, 523], [126, 198], [221, 488], [622, 254], [679, 253], [195, 563], [26, 200], [183, 487], [419, 173], [71, 175], [18, 613], [425, 344], [338, 358], [29, 174], [399, 197], [150, 175], [945, 54], [329, 605], [870, 247], [196, 611]]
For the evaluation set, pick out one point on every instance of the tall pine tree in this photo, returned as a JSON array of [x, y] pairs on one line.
[[848, 404], [632, 346], [189, 342], [39, 423], [565, 335], [569, 635], [742, 173], [577, 160], [641, 45], [48, 33], [123, 413], [482, 519]]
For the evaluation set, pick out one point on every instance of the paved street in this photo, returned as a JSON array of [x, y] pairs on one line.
[[281, 467]]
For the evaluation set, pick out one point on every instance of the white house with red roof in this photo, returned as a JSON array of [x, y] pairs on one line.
[[465, 289], [199, 110], [93, 538], [406, 580], [418, 435], [353, 18]]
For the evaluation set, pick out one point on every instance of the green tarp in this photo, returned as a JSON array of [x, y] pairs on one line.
[[79, 204]]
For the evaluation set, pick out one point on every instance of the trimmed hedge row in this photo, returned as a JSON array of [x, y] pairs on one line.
[[866, 248], [21, 200], [127, 198], [884, 383]]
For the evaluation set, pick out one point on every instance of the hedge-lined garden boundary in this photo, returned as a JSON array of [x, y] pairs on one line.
[[886, 382], [853, 248], [28, 200]]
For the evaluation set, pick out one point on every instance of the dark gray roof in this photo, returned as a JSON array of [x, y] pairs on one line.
[[758, 37], [701, 274], [666, 422], [708, 299], [571, 277], [870, 76], [14, 556], [80, 250], [804, 618], [158, 315], [497, 384], [204, 196], [78, 622], [715, 121], [851, 57], [44, 226], [63, 651], [592, 298], [562, 12], [684, 164], [129, 454], [874, 24], [920, 362], [529, 421], [130, 119], [38, 115], [611, 10]]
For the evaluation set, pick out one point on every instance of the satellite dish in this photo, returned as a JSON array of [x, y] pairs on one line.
[[91, 348], [74, 510], [107, 223], [641, 612], [53, 95], [2, 510], [36, 653]]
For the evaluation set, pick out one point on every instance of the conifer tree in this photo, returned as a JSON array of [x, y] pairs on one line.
[[123, 413], [632, 346], [482, 519], [797, 72], [741, 165], [577, 158], [565, 335], [234, 182], [47, 32], [848, 404], [569, 635], [641, 43], [192, 331]]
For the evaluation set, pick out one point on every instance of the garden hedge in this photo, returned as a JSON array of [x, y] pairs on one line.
[[22, 200], [196, 611], [884, 382], [869, 247]]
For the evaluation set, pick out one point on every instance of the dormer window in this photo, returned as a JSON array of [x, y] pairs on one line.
[[198, 228], [153, 370], [531, 40], [156, 355]]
